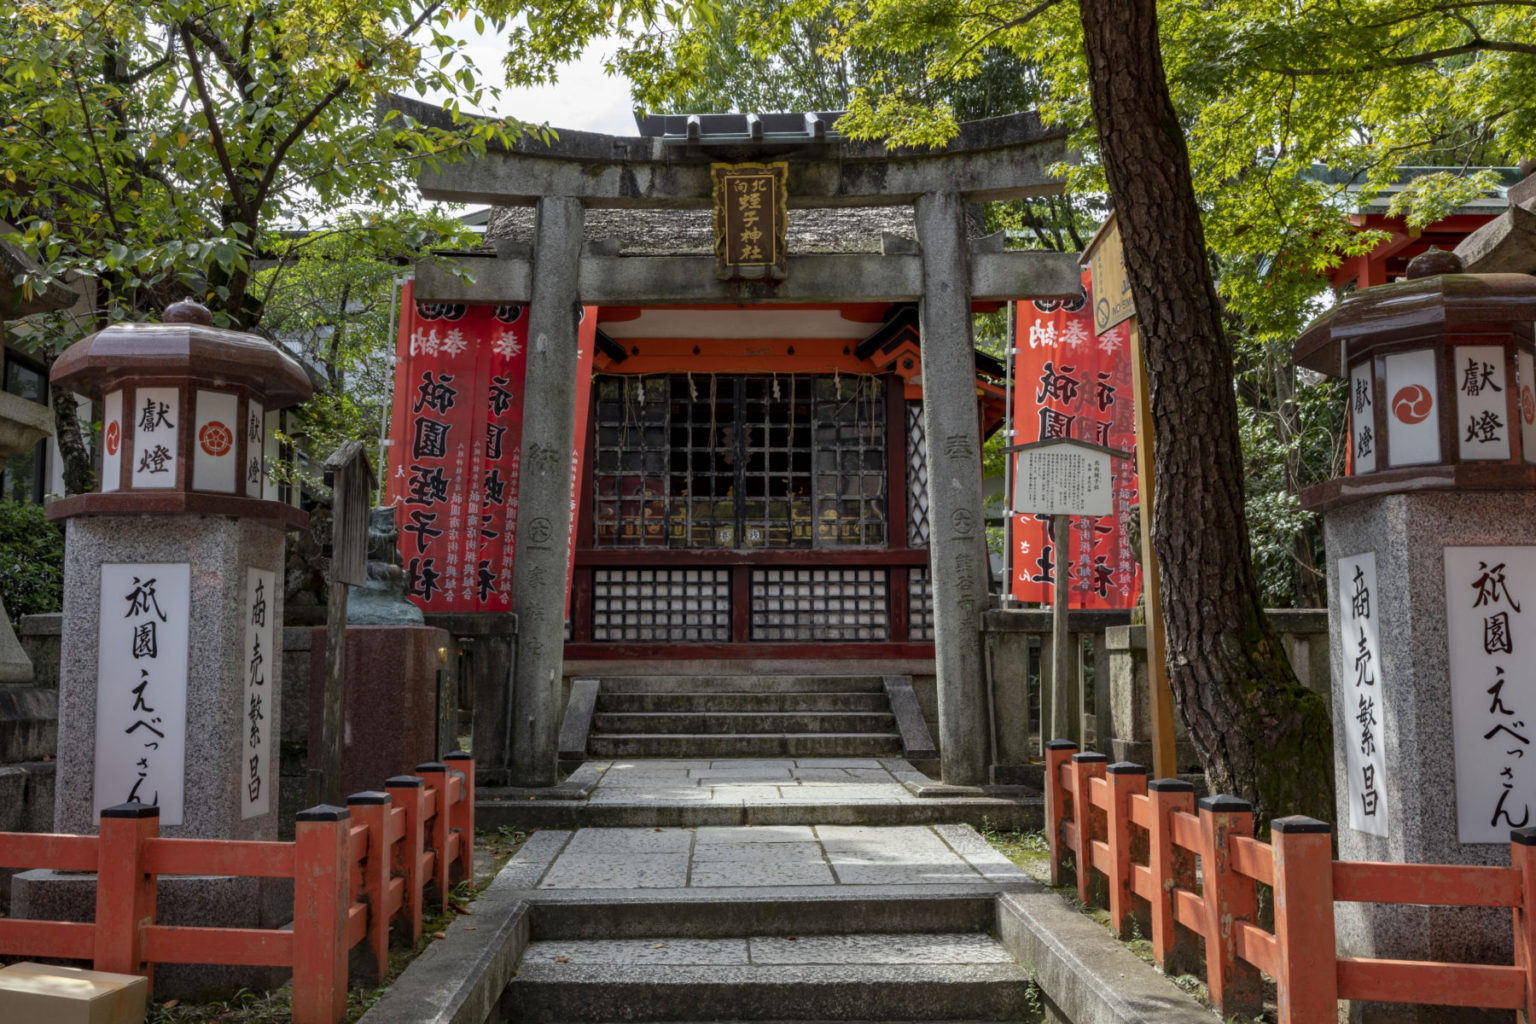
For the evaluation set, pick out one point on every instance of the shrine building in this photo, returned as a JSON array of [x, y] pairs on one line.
[[753, 336]]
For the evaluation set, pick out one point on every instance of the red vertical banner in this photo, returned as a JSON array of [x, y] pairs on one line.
[[586, 343], [1068, 382], [453, 458]]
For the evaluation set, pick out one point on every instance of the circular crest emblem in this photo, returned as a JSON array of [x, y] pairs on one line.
[[1413, 404], [114, 436], [1528, 404], [215, 438]]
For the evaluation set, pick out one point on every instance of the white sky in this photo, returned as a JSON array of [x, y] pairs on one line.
[[584, 98]]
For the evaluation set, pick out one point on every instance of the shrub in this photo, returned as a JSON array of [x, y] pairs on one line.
[[31, 560]]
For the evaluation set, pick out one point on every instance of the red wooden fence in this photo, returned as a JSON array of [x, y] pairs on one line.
[[1133, 845], [354, 869]]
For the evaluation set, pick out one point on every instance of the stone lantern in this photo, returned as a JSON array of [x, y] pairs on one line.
[[169, 683], [1431, 538]]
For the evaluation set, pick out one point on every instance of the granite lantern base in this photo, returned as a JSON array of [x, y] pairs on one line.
[[389, 701], [1408, 534], [219, 550]]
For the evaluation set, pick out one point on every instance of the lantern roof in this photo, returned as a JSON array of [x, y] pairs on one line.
[[182, 349], [1411, 309]]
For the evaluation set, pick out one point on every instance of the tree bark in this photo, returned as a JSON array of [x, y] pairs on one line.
[[1260, 734], [79, 461]]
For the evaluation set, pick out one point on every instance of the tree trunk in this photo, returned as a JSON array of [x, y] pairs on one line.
[[79, 462], [1260, 734]]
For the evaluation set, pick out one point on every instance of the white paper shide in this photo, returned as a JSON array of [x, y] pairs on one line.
[[254, 769], [1363, 708], [141, 686], [1490, 601]]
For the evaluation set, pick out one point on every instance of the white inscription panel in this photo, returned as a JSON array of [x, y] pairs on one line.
[[254, 769], [1362, 684], [1525, 367], [141, 686], [112, 442], [1413, 419], [156, 435], [1482, 408], [1490, 599], [255, 446], [1065, 481], [215, 458], [1362, 416]]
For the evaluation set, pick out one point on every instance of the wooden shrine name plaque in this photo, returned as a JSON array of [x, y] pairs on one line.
[[751, 219]]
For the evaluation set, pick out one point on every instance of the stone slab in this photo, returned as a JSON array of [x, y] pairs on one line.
[[389, 702], [722, 873], [606, 871], [878, 948]]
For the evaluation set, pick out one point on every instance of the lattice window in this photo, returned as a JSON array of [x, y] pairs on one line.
[[917, 478], [919, 604], [777, 428], [708, 461], [680, 605], [850, 461], [630, 475], [820, 604]]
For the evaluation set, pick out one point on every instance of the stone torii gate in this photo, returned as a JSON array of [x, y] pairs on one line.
[[670, 168]]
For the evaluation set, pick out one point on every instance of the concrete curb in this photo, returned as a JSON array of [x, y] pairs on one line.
[[1089, 977], [460, 979]]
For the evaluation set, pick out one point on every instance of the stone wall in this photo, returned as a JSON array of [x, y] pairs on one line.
[[1113, 669]]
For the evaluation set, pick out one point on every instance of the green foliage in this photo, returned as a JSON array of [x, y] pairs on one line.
[[31, 560], [331, 299], [158, 147]]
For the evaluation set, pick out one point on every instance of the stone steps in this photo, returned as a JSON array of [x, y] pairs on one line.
[[723, 745], [741, 684], [962, 976], [700, 722], [741, 703], [741, 716]]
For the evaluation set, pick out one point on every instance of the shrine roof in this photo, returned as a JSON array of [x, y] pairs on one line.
[[1007, 157]]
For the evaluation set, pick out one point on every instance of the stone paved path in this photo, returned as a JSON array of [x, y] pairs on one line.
[[779, 780], [776, 855]]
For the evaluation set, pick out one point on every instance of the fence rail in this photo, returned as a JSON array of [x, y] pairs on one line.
[[355, 870], [1133, 844]]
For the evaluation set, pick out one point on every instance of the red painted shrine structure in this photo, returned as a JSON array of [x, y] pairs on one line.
[[764, 463]]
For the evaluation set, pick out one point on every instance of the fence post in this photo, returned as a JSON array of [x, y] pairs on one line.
[[1175, 947], [1522, 857], [1233, 984], [372, 809], [125, 892], [1307, 989], [409, 792], [463, 817], [1127, 917], [1057, 753], [1091, 824], [320, 882], [435, 773]]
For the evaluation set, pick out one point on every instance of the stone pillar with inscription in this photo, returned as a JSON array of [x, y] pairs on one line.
[[173, 599], [1432, 593], [957, 553], [544, 497]]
